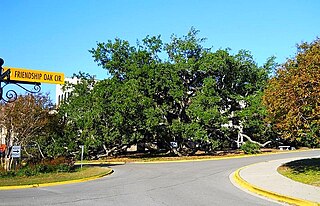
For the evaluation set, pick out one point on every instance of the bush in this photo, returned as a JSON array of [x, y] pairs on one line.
[[4, 173], [60, 164], [26, 171], [250, 148]]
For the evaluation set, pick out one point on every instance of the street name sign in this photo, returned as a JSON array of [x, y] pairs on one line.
[[26, 75], [16, 152]]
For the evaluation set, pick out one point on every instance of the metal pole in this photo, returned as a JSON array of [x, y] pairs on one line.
[[82, 150], [1, 90], [1, 63]]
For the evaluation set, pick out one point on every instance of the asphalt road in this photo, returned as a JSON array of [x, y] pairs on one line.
[[188, 183]]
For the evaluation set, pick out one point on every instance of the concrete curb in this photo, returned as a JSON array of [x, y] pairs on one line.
[[219, 158], [100, 163], [269, 194], [192, 160], [55, 183]]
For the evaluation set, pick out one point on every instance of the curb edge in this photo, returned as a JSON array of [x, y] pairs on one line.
[[219, 158], [55, 183], [269, 194]]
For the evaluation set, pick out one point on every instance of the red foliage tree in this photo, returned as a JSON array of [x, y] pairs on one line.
[[293, 96], [23, 121]]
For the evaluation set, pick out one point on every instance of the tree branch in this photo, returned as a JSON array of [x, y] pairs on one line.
[[250, 140]]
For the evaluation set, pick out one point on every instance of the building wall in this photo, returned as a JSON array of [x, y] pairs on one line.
[[63, 95]]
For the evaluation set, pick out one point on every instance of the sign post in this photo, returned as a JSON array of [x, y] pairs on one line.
[[16, 155], [17, 76], [16, 152], [82, 150]]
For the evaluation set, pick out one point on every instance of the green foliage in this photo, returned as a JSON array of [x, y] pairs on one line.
[[250, 148], [60, 164], [4, 173], [253, 118], [187, 96]]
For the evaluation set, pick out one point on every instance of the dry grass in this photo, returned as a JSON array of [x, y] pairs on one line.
[[145, 157]]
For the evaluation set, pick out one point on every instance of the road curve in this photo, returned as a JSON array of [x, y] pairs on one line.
[[187, 183]]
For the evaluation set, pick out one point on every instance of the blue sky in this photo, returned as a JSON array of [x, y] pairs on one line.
[[55, 35]]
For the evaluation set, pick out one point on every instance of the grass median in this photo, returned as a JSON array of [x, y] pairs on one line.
[[85, 172], [306, 171]]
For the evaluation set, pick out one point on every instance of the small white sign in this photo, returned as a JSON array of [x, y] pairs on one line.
[[16, 152], [174, 144]]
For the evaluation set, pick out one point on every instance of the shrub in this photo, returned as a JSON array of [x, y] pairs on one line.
[[60, 164], [250, 148], [4, 173], [27, 171]]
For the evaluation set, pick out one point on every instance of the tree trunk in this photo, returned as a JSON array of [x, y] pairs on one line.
[[39, 149], [176, 152], [7, 163], [241, 135], [7, 157], [250, 140]]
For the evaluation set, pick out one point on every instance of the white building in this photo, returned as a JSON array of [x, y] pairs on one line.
[[62, 95]]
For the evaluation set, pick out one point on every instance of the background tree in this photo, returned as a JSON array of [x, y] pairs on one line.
[[23, 121], [79, 117], [293, 96]]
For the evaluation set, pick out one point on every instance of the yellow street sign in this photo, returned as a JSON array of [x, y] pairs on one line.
[[26, 75]]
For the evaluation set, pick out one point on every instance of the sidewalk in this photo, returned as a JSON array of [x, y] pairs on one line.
[[263, 178]]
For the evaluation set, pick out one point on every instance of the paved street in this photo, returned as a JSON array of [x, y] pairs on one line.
[[189, 183]]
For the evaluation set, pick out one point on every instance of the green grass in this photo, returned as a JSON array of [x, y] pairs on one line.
[[306, 171], [86, 172]]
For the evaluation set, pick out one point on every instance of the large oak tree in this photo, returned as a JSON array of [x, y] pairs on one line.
[[165, 92]]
